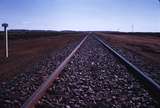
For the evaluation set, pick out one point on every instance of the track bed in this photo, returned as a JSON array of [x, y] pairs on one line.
[[95, 78]]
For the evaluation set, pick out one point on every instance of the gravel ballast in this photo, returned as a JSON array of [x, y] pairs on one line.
[[94, 78], [14, 92], [151, 69]]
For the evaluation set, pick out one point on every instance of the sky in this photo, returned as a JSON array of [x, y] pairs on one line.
[[84, 15]]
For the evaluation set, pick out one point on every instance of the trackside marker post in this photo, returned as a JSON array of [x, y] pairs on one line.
[[5, 25]]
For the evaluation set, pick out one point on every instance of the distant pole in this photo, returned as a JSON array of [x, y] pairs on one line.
[[5, 25], [132, 27]]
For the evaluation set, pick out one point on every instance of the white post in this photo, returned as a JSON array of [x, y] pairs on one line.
[[5, 25], [6, 41]]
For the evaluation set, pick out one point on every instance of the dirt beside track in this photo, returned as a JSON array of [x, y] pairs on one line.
[[24, 53]]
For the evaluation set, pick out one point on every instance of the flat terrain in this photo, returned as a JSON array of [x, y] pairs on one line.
[[25, 52], [142, 50], [93, 78]]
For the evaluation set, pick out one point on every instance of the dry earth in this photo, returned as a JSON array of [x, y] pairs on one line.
[[25, 52]]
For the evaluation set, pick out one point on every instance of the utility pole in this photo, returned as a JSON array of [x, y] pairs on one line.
[[5, 25], [132, 28]]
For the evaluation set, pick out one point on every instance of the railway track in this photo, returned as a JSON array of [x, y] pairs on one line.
[[90, 66], [152, 85], [142, 62]]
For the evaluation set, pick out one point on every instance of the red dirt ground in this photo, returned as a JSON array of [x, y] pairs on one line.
[[23, 53], [146, 46]]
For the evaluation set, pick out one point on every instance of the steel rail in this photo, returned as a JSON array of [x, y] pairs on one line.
[[34, 98], [149, 82]]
